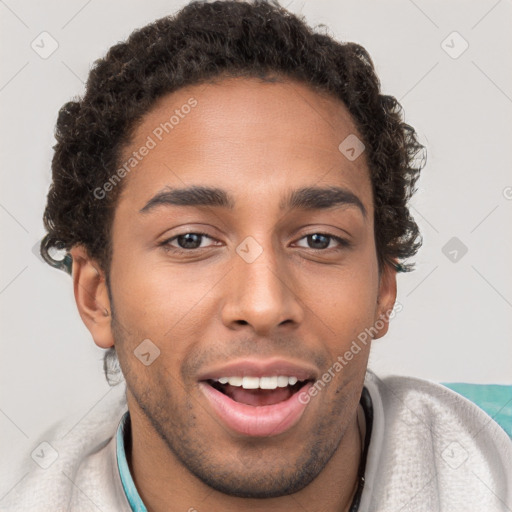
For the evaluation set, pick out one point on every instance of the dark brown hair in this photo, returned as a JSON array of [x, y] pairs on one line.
[[202, 42]]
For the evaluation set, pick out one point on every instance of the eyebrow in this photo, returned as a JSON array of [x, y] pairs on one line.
[[307, 198]]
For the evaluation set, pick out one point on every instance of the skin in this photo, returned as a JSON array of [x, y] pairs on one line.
[[258, 141]]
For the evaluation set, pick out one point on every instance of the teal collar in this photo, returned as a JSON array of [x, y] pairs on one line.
[[123, 433]]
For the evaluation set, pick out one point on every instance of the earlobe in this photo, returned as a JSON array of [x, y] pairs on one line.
[[386, 299], [91, 296]]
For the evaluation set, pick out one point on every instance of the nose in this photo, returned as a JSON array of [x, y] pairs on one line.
[[262, 294]]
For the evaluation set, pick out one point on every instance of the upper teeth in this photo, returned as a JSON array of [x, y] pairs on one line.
[[280, 381]]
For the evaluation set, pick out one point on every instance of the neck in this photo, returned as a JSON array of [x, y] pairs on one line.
[[161, 479]]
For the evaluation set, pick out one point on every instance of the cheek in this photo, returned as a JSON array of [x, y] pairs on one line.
[[346, 303], [162, 303], [346, 294]]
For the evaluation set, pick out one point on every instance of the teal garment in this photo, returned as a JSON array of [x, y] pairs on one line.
[[124, 471], [494, 399]]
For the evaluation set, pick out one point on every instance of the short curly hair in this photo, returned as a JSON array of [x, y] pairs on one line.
[[202, 42]]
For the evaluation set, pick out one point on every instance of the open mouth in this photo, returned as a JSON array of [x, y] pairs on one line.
[[258, 391], [259, 397]]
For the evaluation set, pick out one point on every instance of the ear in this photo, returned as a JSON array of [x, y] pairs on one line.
[[385, 300], [91, 296]]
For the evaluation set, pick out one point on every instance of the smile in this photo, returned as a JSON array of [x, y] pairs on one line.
[[257, 406]]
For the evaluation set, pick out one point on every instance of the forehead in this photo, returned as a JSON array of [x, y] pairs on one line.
[[252, 138]]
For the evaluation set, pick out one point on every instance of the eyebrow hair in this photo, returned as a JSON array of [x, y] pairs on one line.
[[321, 198], [307, 198]]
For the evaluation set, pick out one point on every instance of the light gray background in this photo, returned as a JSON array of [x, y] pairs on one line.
[[456, 319]]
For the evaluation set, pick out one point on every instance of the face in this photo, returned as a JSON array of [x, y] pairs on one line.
[[256, 282]]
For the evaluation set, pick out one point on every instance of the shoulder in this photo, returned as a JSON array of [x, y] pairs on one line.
[[416, 401], [433, 449], [74, 455]]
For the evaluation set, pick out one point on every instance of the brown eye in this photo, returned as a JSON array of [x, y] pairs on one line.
[[189, 241], [321, 241], [185, 242]]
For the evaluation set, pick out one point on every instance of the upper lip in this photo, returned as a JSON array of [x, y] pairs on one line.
[[261, 368]]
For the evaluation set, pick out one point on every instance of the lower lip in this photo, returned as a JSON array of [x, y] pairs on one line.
[[263, 421]]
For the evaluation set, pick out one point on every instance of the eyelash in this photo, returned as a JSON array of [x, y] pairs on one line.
[[344, 244]]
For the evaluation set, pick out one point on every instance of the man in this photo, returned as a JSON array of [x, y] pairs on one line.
[[232, 192]]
